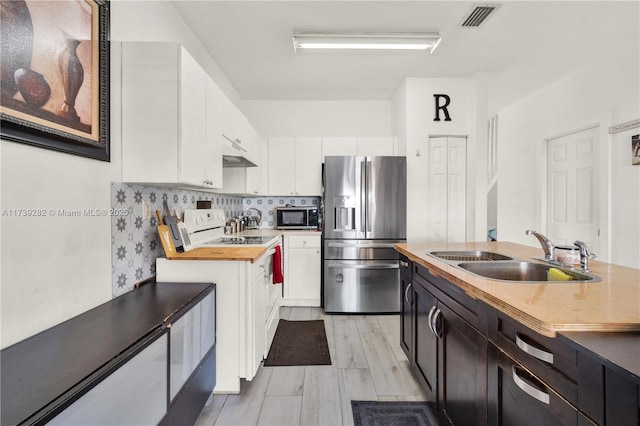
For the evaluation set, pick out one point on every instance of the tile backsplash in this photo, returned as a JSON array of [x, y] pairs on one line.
[[134, 239]]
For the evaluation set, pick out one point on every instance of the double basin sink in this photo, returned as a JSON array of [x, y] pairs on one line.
[[500, 267]]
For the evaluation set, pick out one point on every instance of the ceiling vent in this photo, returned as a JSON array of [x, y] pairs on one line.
[[478, 14]]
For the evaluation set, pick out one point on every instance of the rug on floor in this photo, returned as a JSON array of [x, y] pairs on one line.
[[299, 343], [383, 413]]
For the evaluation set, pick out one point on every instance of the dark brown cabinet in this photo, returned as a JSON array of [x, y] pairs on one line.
[[462, 393], [480, 366], [406, 308], [426, 342], [446, 353], [416, 338]]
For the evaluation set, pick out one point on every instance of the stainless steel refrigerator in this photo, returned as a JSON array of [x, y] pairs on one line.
[[365, 201]]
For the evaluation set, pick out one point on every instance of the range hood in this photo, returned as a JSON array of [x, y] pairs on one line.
[[233, 154]]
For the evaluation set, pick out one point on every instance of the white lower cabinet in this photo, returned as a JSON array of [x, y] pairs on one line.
[[135, 394], [303, 266]]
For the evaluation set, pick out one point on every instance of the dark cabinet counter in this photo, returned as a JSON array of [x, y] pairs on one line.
[[50, 370]]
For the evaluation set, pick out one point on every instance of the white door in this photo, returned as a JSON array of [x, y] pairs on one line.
[[447, 189], [572, 192]]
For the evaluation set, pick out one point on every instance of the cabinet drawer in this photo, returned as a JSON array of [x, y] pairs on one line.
[[304, 241], [552, 360], [525, 399]]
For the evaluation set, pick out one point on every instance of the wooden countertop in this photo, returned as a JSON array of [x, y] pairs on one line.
[[612, 304], [238, 253]]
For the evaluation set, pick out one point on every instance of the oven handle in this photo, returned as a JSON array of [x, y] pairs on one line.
[[367, 266], [271, 252]]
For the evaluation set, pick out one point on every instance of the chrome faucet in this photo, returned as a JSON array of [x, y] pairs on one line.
[[585, 254], [547, 245]]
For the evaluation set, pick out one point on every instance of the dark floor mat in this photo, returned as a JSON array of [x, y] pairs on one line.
[[299, 343], [377, 413]]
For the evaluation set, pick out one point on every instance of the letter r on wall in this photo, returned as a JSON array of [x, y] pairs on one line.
[[442, 107]]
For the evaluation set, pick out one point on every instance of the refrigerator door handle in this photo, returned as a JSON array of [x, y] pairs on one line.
[[363, 194], [360, 266], [369, 191]]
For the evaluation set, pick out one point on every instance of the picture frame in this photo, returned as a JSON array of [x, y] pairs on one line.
[[54, 75]]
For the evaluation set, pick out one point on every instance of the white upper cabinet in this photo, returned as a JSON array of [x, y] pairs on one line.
[[165, 117], [295, 166], [373, 146], [192, 140], [213, 165], [258, 177], [282, 157], [378, 146], [249, 180], [308, 166], [339, 146], [237, 133]]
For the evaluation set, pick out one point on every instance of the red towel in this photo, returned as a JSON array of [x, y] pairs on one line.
[[278, 278]]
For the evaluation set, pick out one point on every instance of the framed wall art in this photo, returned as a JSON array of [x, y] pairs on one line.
[[54, 75]]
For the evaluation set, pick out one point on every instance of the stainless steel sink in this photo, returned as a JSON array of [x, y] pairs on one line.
[[469, 256], [521, 271]]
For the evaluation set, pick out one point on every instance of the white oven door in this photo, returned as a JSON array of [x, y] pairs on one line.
[[273, 293]]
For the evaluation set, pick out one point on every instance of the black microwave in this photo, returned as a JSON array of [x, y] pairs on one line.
[[297, 217]]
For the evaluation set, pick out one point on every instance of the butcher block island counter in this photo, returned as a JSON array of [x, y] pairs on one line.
[[612, 304], [497, 352]]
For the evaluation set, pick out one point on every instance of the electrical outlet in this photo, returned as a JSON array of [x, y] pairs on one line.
[[146, 209]]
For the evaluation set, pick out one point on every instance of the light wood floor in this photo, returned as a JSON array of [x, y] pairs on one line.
[[367, 364]]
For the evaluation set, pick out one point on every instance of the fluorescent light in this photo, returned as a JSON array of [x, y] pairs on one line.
[[394, 41]]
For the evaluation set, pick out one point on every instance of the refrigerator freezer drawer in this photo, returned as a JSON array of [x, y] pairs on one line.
[[363, 286], [360, 249]]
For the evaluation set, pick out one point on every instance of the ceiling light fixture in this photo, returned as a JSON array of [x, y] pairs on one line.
[[394, 41]]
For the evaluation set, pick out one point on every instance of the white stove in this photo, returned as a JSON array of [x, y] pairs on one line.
[[206, 229]]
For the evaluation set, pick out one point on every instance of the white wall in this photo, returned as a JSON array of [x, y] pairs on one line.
[[53, 268], [417, 120], [604, 93], [319, 118], [399, 117]]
